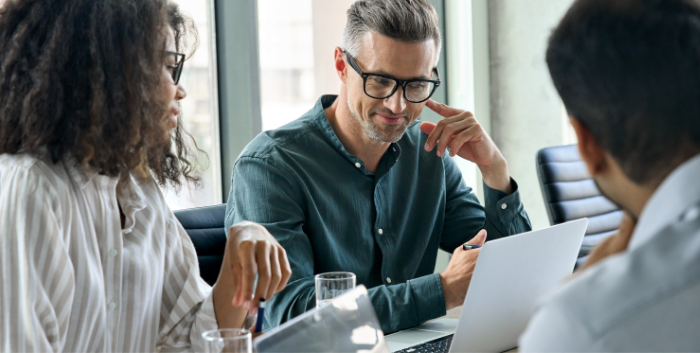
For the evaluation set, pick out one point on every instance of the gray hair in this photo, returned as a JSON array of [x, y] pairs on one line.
[[412, 21]]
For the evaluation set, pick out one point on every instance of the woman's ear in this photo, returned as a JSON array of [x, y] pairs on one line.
[[592, 154]]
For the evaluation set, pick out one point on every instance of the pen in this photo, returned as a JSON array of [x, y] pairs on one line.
[[261, 315], [470, 246]]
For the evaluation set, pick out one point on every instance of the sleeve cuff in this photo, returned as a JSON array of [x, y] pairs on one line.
[[507, 207], [205, 320], [428, 297]]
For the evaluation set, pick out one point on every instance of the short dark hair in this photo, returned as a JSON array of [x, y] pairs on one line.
[[79, 79], [629, 70]]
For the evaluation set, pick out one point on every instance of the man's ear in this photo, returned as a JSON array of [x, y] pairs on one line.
[[340, 64], [593, 155]]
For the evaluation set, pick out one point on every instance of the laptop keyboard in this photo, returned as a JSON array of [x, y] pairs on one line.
[[441, 345]]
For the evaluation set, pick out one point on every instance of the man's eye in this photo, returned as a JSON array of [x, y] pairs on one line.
[[417, 85]]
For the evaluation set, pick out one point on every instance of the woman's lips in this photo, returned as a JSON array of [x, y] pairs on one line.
[[173, 117], [390, 119]]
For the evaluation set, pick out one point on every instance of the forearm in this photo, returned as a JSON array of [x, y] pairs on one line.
[[408, 304]]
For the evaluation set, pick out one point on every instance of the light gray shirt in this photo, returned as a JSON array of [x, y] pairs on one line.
[[644, 299], [74, 281]]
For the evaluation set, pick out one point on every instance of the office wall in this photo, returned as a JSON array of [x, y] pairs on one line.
[[526, 112]]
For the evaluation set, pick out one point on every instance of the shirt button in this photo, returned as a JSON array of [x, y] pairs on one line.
[[504, 206], [358, 165], [113, 252], [126, 231], [380, 231], [112, 305], [388, 280]]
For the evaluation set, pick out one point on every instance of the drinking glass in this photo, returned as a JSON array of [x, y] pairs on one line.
[[332, 284], [228, 341]]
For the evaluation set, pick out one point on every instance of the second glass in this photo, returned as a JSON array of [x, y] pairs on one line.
[[332, 284], [228, 341]]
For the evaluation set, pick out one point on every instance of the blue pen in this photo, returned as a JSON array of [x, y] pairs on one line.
[[261, 315], [470, 246]]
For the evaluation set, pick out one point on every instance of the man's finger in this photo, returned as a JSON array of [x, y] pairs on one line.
[[449, 133], [479, 238], [437, 132], [463, 137], [442, 109], [427, 127]]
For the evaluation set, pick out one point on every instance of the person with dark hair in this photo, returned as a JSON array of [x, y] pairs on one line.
[[91, 257], [628, 72], [358, 184]]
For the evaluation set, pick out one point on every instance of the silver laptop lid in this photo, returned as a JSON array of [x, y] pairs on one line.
[[347, 324], [511, 274]]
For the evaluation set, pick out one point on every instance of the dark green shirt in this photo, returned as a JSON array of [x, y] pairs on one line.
[[331, 214]]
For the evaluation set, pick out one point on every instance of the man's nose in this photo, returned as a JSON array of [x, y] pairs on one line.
[[396, 103]]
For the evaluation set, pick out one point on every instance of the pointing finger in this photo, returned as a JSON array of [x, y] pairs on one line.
[[442, 109]]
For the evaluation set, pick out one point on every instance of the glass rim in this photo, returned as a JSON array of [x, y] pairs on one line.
[[242, 334], [349, 275]]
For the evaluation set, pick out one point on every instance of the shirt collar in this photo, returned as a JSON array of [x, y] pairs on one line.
[[679, 191], [82, 176], [130, 196], [391, 155]]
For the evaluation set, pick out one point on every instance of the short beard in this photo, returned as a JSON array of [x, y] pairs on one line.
[[374, 131]]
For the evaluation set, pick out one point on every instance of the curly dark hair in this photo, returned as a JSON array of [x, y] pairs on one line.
[[79, 79]]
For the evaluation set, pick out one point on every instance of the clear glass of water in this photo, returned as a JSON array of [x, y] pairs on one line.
[[332, 284], [228, 341]]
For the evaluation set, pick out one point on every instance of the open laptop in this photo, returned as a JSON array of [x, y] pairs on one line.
[[510, 275]]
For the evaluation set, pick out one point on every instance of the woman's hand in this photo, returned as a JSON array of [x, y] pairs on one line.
[[250, 251]]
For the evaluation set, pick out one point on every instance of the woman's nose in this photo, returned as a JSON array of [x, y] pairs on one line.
[[181, 92]]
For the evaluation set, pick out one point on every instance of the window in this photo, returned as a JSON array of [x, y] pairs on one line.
[[297, 39], [200, 112]]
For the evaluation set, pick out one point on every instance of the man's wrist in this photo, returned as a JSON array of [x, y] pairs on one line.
[[447, 293], [497, 177]]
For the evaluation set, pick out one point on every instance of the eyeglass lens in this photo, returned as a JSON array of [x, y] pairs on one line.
[[382, 87]]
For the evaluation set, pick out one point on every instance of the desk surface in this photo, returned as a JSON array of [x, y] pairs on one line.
[[456, 312]]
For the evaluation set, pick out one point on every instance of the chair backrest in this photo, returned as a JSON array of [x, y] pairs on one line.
[[570, 193], [205, 226]]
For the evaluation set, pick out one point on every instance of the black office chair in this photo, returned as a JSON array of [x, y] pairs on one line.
[[570, 193], [205, 226]]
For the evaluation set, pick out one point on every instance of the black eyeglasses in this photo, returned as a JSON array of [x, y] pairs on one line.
[[179, 64], [382, 86]]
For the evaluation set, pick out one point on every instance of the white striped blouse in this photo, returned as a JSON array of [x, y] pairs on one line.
[[74, 281]]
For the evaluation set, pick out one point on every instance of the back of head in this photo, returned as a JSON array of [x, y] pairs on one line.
[[81, 79], [411, 21], [629, 70]]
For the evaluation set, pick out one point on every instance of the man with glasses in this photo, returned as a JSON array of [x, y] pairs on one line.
[[357, 184]]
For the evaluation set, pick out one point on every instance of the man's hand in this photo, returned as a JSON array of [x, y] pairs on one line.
[[466, 138], [456, 278], [250, 250], [614, 244]]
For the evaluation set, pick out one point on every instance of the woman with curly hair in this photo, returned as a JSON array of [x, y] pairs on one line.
[[91, 257]]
